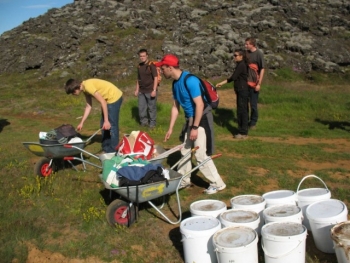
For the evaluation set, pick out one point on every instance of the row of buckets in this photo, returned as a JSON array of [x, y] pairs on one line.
[[282, 218]]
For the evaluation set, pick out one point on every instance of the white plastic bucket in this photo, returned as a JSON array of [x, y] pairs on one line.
[[238, 217], [308, 196], [280, 197], [236, 244], [340, 234], [207, 207], [284, 242], [283, 213], [323, 215], [254, 203], [197, 234]]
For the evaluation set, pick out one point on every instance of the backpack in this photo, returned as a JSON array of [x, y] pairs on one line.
[[159, 73], [253, 75], [63, 134], [209, 91]]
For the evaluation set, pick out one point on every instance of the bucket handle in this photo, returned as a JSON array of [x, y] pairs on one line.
[[314, 176], [282, 255], [186, 237]]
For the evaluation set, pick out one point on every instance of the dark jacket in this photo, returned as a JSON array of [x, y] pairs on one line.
[[240, 76]]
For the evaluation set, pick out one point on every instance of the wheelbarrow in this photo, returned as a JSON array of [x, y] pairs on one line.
[[159, 154], [123, 211], [54, 154]]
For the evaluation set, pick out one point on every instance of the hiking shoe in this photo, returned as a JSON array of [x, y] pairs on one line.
[[241, 136], [252, 127], [212, 189]]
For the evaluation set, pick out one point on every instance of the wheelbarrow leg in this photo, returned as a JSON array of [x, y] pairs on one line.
[[73, 166], [82, 157]]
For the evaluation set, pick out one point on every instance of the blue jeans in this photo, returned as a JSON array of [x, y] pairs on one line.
[[110, 139], [253, 101]]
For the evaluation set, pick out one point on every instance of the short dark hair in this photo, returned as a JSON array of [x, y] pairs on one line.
[[72, 85], [142, 50]]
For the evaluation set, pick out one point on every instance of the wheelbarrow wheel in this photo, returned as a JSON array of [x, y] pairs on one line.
[[121, 213], [42, 167]]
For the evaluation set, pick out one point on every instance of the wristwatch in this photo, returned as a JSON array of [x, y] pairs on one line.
[[194, 127]]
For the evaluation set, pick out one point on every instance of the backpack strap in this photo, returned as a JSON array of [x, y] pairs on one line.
[[200, 85]]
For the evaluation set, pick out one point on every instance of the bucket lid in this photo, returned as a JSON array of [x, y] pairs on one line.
[[313, 192], [279, 194], [239, 216], [341, 232], [325, 209], [235, 236], [283, 229], [208, 205], [282, 210], [247, 199], [199, 224]]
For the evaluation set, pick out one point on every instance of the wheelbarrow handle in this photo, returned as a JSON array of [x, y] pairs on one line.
[[202, 163], [215, 156], [92, 136], [188, 153]]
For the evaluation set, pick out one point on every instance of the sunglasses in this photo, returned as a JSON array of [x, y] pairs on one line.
[[236, 55]]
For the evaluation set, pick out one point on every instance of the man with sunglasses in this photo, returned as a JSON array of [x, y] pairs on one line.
[[198, 130]]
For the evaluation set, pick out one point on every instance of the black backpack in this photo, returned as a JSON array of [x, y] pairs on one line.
[[64, 133]]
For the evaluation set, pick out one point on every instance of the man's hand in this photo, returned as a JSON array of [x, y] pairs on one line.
[[193, 134]]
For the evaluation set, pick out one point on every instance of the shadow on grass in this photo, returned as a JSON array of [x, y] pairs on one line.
[[135, 114], [222, 117], [3, 123], [342, 125]]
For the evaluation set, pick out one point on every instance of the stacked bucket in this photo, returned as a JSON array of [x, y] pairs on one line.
[[282, 218]]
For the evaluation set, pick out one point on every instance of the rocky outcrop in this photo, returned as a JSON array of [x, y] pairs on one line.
[[101, 37]]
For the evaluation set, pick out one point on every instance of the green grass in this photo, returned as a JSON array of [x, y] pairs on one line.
[[303, 129]]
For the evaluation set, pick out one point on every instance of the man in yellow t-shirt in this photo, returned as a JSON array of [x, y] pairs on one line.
[[110, 98]]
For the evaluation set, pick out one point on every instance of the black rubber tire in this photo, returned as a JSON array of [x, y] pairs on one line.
[[119, 212], [42, 167]]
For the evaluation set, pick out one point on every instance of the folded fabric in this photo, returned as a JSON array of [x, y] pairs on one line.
[[111, 166], [135, 173]]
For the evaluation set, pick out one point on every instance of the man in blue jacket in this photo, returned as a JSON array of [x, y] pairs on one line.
[[198, 130]]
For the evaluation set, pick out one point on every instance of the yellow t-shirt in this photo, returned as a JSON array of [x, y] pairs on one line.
[[107, 90]]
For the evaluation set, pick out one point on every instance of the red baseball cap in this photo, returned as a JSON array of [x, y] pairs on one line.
[[169, 60]]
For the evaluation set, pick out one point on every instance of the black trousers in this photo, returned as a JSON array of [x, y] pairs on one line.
[[242, 98]]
